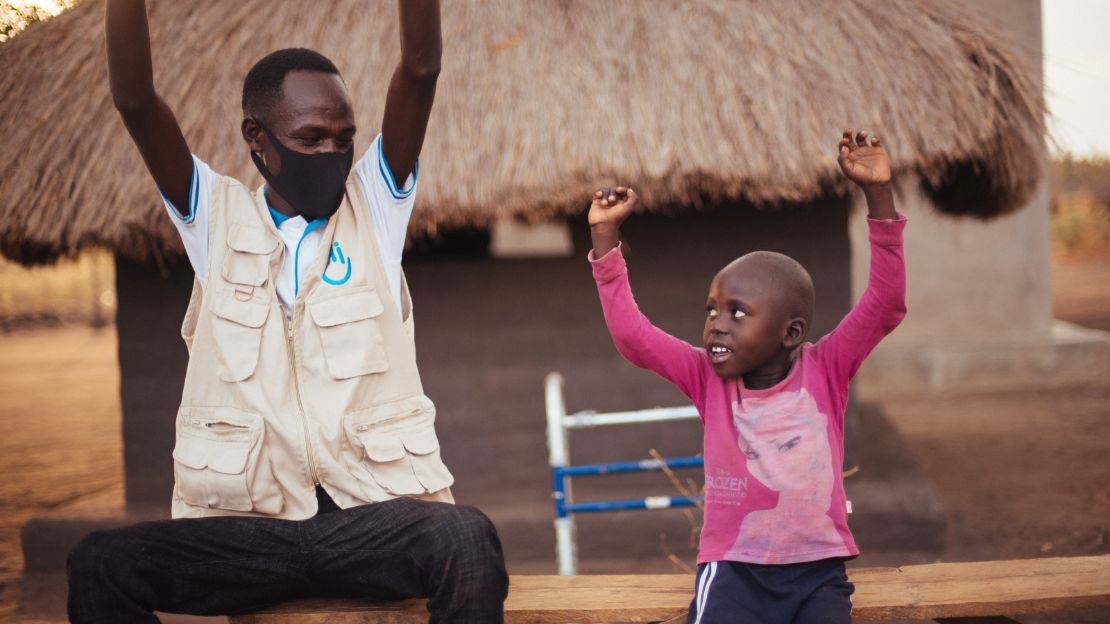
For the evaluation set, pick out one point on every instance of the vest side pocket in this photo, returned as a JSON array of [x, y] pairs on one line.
[[237, 332], [192, 314], [218, 461], [400, 446], [349, 330]]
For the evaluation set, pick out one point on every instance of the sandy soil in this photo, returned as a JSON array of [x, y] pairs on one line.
[[1020, 474], [1081, 293], [59, 403]]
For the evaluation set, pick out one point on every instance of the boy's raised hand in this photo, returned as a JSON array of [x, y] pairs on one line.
[[610, 207], [863, 159]]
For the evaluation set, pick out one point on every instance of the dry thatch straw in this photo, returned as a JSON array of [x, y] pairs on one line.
[[539, 103]]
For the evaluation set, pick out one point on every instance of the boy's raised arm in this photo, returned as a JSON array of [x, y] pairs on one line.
[[637, 340], [883, 303], [149, 120], [413, 87]]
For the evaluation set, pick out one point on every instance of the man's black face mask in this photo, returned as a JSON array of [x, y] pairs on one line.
[[312, 183]]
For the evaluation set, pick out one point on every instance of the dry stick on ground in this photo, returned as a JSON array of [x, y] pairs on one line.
[[678, 618], [689, 490], [674, 559], [684, 489], [695, 530]]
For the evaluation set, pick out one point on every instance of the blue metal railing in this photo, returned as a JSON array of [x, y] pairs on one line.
[[562, 473], [558, 421]]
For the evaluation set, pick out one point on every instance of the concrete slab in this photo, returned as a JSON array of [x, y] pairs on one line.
[[1070, 356]]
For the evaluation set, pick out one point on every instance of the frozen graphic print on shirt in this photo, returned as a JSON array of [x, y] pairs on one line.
[[784, 438]]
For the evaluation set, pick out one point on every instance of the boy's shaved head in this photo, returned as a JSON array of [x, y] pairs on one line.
[[758, 311], [782, 275]]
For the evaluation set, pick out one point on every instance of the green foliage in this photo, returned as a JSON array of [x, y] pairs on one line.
[[1089, 175], [1080, 207]]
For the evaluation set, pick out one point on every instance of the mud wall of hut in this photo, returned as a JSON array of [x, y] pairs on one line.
[[489, 330]]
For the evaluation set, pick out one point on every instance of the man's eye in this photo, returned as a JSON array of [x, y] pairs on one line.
[[789, 444], [738, 314]]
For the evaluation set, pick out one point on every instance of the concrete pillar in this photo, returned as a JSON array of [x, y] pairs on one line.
[[980, 297]]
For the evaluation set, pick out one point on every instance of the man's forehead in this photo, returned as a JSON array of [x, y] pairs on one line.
[[313, 97]]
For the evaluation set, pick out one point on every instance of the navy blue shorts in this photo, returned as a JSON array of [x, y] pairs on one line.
[[730, 592]]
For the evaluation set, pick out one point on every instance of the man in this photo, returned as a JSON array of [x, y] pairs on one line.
[[306, 461]]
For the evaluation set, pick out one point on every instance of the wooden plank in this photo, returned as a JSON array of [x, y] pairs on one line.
[[975, 589], [989, 620], [592, 599], [936, 591]]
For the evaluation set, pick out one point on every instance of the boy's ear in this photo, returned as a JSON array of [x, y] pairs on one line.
[[252, 134], [795, 333]]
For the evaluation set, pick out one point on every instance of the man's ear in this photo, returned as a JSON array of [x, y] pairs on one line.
[[252, 134], [795, 333]]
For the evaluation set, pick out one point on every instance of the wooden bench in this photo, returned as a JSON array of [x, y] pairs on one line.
[[979, 592]]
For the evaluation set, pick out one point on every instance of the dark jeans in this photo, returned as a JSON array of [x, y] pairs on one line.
[[401, 548]]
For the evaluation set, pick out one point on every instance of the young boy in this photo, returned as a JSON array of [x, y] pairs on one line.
[[775, 536], [306, 461]]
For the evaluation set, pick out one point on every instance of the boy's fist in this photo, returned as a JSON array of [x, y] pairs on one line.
[[863, 159], [610, 207]]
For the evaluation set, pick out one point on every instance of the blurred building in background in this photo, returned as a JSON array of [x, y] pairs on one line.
[[725, 116]]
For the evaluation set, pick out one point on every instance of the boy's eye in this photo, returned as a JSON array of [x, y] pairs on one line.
[[738, 314], [711, 312]]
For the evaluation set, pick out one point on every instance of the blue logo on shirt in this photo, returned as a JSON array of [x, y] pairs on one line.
[[337, 257]]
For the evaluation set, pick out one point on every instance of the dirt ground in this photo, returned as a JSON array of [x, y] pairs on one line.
[[1020, 474], [59, 403]]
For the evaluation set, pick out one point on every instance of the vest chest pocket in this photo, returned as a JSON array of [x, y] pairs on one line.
[[218, 461], [350, 335], [237, 332], [400, 444], [248, 259]]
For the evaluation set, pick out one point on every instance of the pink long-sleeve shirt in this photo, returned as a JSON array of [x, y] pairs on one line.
[[774, 488]]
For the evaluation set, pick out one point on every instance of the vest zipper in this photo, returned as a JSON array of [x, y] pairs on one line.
[[300, 405]]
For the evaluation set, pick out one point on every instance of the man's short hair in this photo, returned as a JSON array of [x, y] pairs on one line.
[[262, 86]]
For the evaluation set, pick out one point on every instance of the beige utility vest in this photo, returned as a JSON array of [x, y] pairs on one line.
[[274, 405]]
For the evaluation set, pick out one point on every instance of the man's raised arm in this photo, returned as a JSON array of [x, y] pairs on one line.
[[413, 87], [149, 120]]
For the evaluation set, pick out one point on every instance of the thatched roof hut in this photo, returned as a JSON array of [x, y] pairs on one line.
[[539, 103]]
